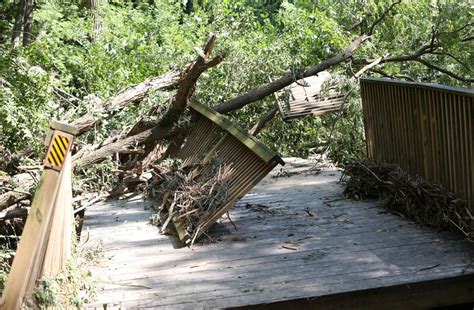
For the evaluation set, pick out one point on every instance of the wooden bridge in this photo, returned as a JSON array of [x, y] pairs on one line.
[[298, 243]]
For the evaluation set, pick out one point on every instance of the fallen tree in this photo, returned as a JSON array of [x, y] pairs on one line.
[[130, 95], [150, 133], [159, 133], [165, 126], [142, 145]]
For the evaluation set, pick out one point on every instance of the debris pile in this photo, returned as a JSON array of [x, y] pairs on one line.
[[16, 186], [188, 196], [424, 202]]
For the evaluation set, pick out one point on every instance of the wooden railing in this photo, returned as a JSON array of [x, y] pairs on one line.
[[427, 129], [214, 135]]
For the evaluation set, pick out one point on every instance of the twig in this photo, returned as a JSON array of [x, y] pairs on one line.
[[230, 220], [428, 268], [376, 22], [370, 171]]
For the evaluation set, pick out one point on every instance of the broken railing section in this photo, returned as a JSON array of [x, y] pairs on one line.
[[307, 97], [46, 241], [217, 147]]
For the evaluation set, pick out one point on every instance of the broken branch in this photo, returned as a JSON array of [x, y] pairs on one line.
[[272, 87]]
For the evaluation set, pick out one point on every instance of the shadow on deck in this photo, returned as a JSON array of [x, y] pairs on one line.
[[298, 243]]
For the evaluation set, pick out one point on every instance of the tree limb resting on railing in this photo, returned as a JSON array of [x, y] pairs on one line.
[[257, 94]]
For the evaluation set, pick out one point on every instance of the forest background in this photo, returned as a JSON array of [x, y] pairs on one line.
[[67, 57]]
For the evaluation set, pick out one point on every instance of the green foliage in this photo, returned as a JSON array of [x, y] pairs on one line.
[[6, 256], [25, 101], [72, 288], [97, 179], [261, 40], [45, 293]]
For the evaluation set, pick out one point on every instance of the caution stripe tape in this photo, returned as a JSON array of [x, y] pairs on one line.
[[57, 150]]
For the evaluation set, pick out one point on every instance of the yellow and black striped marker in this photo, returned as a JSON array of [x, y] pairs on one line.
[[58, 148]]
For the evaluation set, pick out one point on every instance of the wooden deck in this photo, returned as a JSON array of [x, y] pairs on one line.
[[298, 243]]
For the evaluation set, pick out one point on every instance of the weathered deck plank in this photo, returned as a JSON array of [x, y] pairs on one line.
[[305, 241]]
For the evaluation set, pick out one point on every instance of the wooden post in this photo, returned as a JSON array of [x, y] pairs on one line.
[[59, 246], [36, 240]]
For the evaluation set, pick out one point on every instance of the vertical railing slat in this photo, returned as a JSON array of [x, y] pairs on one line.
[[426, 129]]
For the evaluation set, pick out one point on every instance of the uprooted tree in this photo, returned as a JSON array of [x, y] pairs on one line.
[[160, 131], [144, 137]]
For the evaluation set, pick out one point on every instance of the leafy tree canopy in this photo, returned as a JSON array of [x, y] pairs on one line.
[[82, 55]]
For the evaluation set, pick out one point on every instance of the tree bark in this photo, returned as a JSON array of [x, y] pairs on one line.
[[18, 26], [263, 122], [84, 123], [12, 197], [108, 150], [268, 89], [28, 23]]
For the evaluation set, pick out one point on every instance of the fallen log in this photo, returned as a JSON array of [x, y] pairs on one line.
[[21, 185], [166, 126], [257, 94], [12, 197], [138, 92], [129, 95], [122, 145]]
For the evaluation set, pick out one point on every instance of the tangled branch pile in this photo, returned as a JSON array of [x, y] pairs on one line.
[[189, 196], [424, 202]]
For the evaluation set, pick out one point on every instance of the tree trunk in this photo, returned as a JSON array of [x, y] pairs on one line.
[[93, 6], [260, 93], [108, 150], [12, 197], [18, 26], [28, 23], [138, 92], [84, 123], [26, 182], [128, 96]]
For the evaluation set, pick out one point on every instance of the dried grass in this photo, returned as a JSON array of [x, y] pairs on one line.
[[424, 202]]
